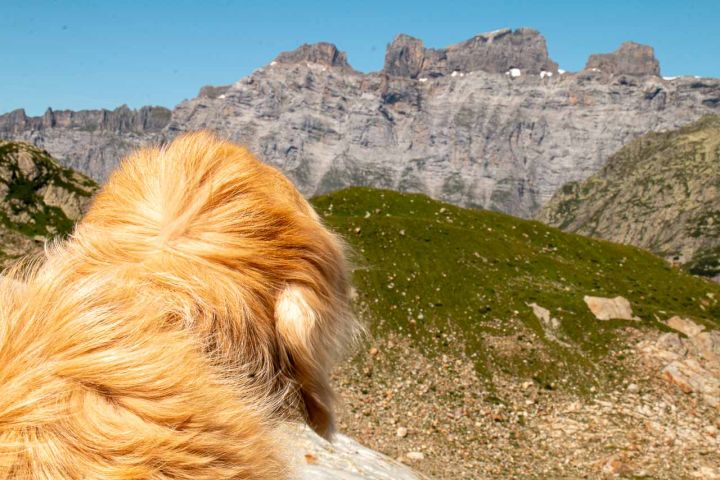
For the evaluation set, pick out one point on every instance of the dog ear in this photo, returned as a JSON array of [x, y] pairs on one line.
[[311, 336]]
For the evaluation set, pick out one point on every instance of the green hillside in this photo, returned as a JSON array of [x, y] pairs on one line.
[[38, 198], [448, 277]]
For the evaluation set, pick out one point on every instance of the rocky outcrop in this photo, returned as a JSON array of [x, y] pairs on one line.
[[212, 92], [121, 120], [38, 199], [321, 53], [693, 361], [91, 141], [315, 458], [477, 138], [660, 192], [630, 59], [495, 52]]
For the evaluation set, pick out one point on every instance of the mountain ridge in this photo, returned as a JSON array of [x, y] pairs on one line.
[[660, 192], [501, 141]]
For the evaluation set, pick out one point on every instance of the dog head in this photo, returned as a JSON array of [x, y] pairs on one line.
[[250, 267]]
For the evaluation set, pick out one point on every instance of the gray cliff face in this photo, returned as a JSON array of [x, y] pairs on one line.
[[471, 135], [91, 141]]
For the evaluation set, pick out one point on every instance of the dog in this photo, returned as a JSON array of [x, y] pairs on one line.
[[199, 303]]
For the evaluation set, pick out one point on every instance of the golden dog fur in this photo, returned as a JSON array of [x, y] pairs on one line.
[[198, 301]]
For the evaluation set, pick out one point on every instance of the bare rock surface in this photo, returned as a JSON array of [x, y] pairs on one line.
[[693, 362], [630, 59], [610, 308], [344, 459], [322, 53]]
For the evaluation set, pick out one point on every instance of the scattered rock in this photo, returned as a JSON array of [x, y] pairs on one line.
[[401, 432], [617, 308], [415, 456], [683, 325], [671, 346], [707, 473], [633, 388], [692, 363], [708, 346], [615, 467], [551, 325], [691, 377]]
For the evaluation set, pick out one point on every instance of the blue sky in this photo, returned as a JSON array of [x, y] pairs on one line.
[[101, 54]]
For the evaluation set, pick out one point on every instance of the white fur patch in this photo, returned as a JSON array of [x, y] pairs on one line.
[[293, 313]]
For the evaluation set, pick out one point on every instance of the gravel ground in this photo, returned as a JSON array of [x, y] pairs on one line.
[[437, 416]]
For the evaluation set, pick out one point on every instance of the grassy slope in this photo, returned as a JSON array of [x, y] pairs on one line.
[[427, 269], [22, 192]]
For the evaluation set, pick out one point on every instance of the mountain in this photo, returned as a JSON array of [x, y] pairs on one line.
[[660, 192], [490, 122], [39, 199]]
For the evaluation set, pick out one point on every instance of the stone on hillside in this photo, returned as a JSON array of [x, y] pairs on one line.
[[672, 343], [615, 467], [690, 376], [542, 314], [415, 456], [683, 325], [314, 458], [630, 59], [550, 325], [617, 308], [708, 345]]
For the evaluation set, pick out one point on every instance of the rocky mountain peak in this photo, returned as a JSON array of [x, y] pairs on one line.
[[323, 53], [494, 52], [629, 59]]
